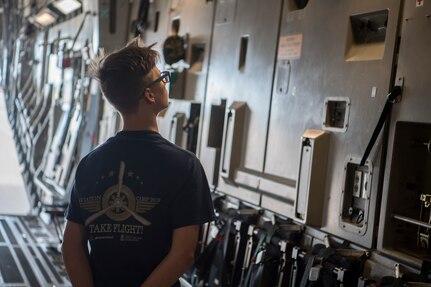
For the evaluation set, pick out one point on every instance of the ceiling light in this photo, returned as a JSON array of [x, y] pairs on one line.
[[45, 18], [67, 6]]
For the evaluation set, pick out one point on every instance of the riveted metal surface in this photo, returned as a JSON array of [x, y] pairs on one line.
[[319, 71], [252, 34], [195, 20]]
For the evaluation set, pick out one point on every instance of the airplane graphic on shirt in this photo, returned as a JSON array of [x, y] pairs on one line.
[[118, 203]]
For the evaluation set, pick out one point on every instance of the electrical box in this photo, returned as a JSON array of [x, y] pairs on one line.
[[355, 196], [336, 114], [310, 188]]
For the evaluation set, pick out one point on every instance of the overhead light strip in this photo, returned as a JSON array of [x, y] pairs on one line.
[[67, 6], [45, 18]]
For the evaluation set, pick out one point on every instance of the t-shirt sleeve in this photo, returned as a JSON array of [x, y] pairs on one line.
[[73, 210], [192, 203]]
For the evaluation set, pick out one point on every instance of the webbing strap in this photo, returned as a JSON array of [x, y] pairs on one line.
[[323, 254], [226, 236], [307, 270], [391, 99], [264, 237], [250, 267]]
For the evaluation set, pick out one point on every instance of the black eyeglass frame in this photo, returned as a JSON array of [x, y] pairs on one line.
[[165, 77]]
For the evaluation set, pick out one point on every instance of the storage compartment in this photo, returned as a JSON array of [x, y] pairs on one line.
[[410, 190], [215, 134], [243, 52], [215, 139], [294, 5], [366, 37], [177, 85], [197, 57], [336, 114]]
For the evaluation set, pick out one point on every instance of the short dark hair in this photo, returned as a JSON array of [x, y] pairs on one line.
[[121, 73]]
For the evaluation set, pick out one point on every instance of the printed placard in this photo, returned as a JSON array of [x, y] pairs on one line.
[[289, 47]]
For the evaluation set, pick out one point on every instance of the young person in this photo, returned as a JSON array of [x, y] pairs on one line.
[[138, 200]]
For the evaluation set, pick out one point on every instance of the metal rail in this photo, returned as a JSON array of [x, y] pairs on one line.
[[411, 221]]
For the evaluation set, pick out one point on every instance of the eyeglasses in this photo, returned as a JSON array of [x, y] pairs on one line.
[[165, 77]]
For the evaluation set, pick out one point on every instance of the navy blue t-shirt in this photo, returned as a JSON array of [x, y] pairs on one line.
[[130, 194]]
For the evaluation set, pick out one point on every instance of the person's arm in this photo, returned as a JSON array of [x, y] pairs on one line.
[[75, 255], [178, 260]]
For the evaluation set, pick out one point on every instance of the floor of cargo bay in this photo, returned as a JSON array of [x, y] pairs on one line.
[[13, 197], [29, 253]]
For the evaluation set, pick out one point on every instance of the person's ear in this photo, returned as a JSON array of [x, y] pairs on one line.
[[149, 96]]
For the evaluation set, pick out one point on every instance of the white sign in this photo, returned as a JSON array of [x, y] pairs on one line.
[[289, 47]]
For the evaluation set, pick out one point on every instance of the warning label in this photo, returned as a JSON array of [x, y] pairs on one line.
[[289, 47]]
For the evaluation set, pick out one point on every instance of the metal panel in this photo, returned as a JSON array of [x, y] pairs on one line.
[[172, 121], [8, 268], [31, 258], [226, 11], [210, 149], [158, 24], [10, 235], [312, 47], [108, 124], [196, 20], [2, 240], [113, 23], [28, 271], [68, 159], [242, 64], [407, 172], [176, 129]]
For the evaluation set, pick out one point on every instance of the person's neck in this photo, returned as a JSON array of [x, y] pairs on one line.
[[139, 122]]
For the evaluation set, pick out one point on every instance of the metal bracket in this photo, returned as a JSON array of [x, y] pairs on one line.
[[295, 252], [426, 198], [314, 273], [399, 81]]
